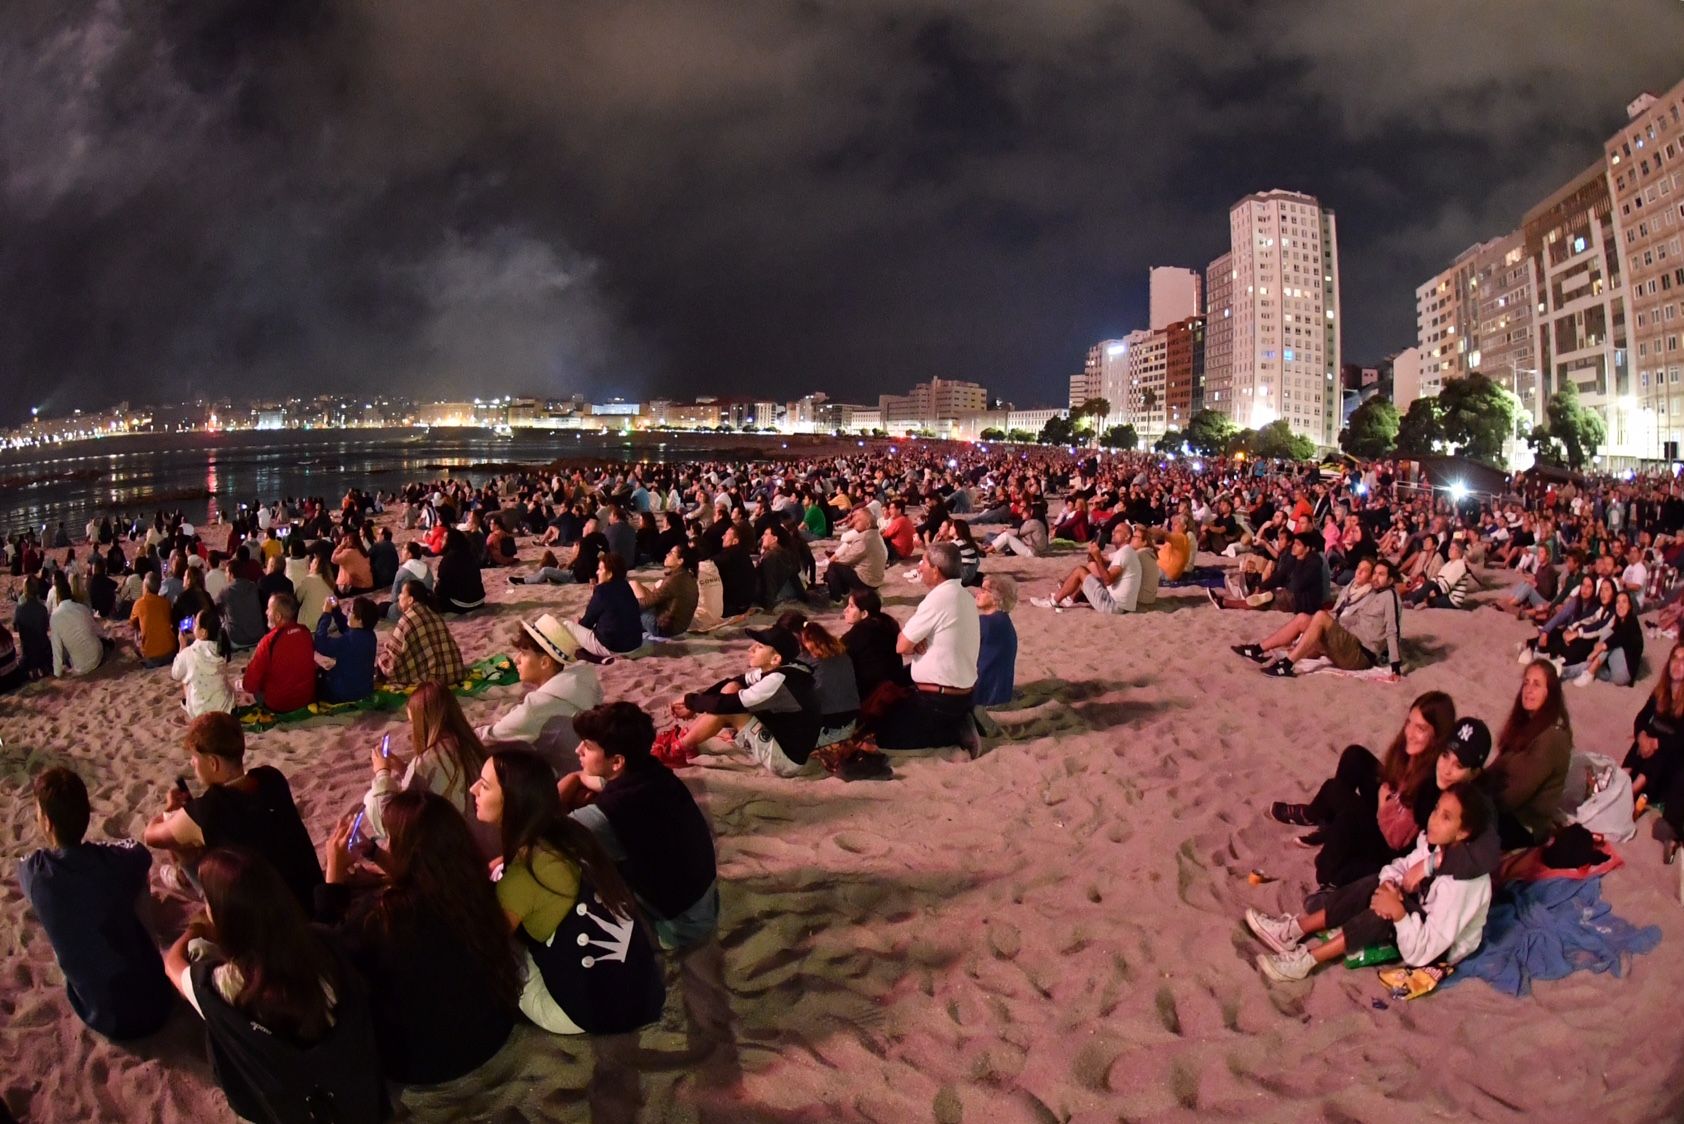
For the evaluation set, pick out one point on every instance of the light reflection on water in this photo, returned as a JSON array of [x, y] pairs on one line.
[[250, 467]]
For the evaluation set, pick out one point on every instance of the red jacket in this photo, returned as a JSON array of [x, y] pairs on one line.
[[283, 669]]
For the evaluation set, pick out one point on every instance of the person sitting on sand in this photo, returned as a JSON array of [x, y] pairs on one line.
[[559, 686], [646, 821], [942, 638], [777, 577], [835, 690], [79, 644], [611, 624], [1536, 589], [201, 667], [738, 581], [870, 640], [84, 895], [420, 648], [383, 560], [860, 557], [351, 645], [560, 892], [1299, 582], [1371, 810], [772, 707], [1431, 903], [275, 581], [1534, 755], [996, 665], [1287, 634], [1110, 583], [899, 535], [413, 568], [1657, 734], [1365, 634], [355, 574], [444, 978], [30, 621], [458, 588], [578, 567], [1030, 539], [313, 590], [237, 808], [447, 758], [155, 635], [1617, 654], [242, 609], [669, 609], [286, 1019], [281, 676]]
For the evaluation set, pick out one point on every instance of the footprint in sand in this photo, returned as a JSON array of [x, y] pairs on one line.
[[856, 844]]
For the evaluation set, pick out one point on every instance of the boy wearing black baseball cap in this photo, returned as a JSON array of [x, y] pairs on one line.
[[772, 707]]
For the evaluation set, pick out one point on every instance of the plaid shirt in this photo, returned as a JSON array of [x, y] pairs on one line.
[[421, 650]]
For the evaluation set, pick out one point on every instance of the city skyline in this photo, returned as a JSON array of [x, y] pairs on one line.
[[386, 196]]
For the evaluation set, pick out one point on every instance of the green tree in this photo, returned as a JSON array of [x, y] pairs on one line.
[[1170, 442], [1057, 431], [1209, 432], [992, 434], [1241, 441], [1372, 431], [1120, 437], [1419, 428], [1579, 431], [1092, 408], [1021, 436], [1478, 416], [1277, 440]]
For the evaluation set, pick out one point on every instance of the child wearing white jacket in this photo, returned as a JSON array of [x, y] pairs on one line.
[[201, 667], [1431, 903]]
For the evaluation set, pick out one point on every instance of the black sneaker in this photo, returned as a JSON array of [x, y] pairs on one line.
[[1280, 669], [1293, 815], [1252, 652], [516, 579], [1214, 598], [1310, 840]]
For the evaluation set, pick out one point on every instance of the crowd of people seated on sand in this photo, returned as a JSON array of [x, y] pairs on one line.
[[541, 866]]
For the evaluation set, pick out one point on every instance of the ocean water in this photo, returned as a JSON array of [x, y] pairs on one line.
[[143, 473]]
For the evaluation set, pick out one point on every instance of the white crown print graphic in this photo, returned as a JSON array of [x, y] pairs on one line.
[[619, 934]]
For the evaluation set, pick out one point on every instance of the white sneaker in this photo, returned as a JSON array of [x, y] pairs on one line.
[[1287, 967], [1043, 602], [1527, 655], [1584, 679], [1280, 933], [1067, 603]]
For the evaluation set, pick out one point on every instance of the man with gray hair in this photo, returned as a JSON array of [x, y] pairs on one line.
[[943, 639], [859, 559]]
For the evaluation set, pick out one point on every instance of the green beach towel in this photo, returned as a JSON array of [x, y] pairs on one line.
[[493, 671]]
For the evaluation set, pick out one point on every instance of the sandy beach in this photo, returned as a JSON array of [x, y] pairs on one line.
[[1050, 933]]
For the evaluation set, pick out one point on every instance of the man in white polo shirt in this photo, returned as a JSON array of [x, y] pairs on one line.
[[943, 638]]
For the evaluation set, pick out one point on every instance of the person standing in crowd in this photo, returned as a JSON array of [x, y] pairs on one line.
[[84, 895]]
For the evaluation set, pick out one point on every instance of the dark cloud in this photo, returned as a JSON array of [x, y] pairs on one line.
[[263, 195]]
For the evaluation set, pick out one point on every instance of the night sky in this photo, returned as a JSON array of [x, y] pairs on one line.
[[443, 197]]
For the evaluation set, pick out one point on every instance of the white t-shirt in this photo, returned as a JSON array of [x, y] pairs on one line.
[[1125, 591], [1636, 577], [947, 618]]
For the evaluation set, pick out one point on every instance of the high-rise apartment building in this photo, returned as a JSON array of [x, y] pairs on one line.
[[1477, 316], [1113, 367], [1184, 371], [1645, 167], [1143, 403], [1285, 266], [1173, 294], [1219, 336], [1090, 383], [1579, 318]]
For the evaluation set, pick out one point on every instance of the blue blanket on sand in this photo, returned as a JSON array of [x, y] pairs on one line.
[[1549, 929]]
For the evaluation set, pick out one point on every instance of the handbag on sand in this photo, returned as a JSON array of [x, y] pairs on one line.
[[855, 759]]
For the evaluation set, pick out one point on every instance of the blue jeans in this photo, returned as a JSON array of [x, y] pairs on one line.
[[550, 575], [1528, 596], [648, 618]]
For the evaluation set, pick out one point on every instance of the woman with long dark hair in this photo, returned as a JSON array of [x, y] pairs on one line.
[[444, 978], [590, 967], [288, 1023], [458, 588], [1534, 751], [448, 756], [1371, 809]]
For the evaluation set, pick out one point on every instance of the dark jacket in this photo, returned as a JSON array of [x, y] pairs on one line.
[[613, 616]]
